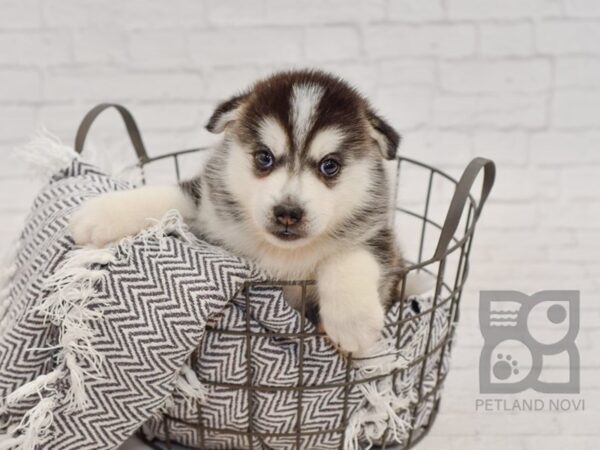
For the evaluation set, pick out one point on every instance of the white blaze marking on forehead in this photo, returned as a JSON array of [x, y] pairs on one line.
[[304, 103], [325, 141], [273, 135]]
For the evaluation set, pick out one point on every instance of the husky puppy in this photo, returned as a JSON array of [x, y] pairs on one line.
[[298, 186]]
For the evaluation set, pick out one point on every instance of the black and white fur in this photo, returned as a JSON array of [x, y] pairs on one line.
[[303, 216]]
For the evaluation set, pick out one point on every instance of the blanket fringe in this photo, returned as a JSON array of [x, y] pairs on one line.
[[33, 387], [46, 154], [36, 423], [381, 408], [34, 427], [171, 223], [7, 441], [189, 386], [69, 306]]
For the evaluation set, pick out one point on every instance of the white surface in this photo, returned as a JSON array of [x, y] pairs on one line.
[[515, 80]]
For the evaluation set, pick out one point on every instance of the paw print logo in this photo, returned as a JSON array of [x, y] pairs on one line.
[[505, 367], [523, 333]]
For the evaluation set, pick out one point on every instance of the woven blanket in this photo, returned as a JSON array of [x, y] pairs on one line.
[[96, 344]]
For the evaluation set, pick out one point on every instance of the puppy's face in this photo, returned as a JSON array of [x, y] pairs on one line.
[[304, 154]]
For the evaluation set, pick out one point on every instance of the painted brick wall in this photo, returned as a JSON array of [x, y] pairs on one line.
[[514, 80]]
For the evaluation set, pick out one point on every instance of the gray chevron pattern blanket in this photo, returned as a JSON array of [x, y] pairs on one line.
[[98, 343]]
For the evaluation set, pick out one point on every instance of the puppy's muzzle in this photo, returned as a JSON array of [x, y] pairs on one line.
[[287, 222], [288, 215]]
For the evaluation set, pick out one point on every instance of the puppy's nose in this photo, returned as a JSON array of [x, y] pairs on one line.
[[288, 215]]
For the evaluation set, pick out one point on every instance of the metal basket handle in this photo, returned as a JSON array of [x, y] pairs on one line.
[[132, 129], [459, 200]]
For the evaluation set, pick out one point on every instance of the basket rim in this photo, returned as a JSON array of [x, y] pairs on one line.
[[462, 193]]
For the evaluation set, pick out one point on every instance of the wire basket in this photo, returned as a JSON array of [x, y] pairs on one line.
[[435, 214]]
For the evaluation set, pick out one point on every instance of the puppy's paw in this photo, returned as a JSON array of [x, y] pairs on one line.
[[354, 330], [105, 219]]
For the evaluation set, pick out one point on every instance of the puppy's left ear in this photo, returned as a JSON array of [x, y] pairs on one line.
[[384, 135], [225, 113]]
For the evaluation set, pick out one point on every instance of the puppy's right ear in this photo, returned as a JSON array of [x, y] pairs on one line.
[[384, 135], [225, 113]]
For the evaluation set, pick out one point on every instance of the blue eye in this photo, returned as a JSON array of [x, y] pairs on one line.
[[329, 167], [264, 159]]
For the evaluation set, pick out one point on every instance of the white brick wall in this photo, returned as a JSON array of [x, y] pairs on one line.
[[514, 80]]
